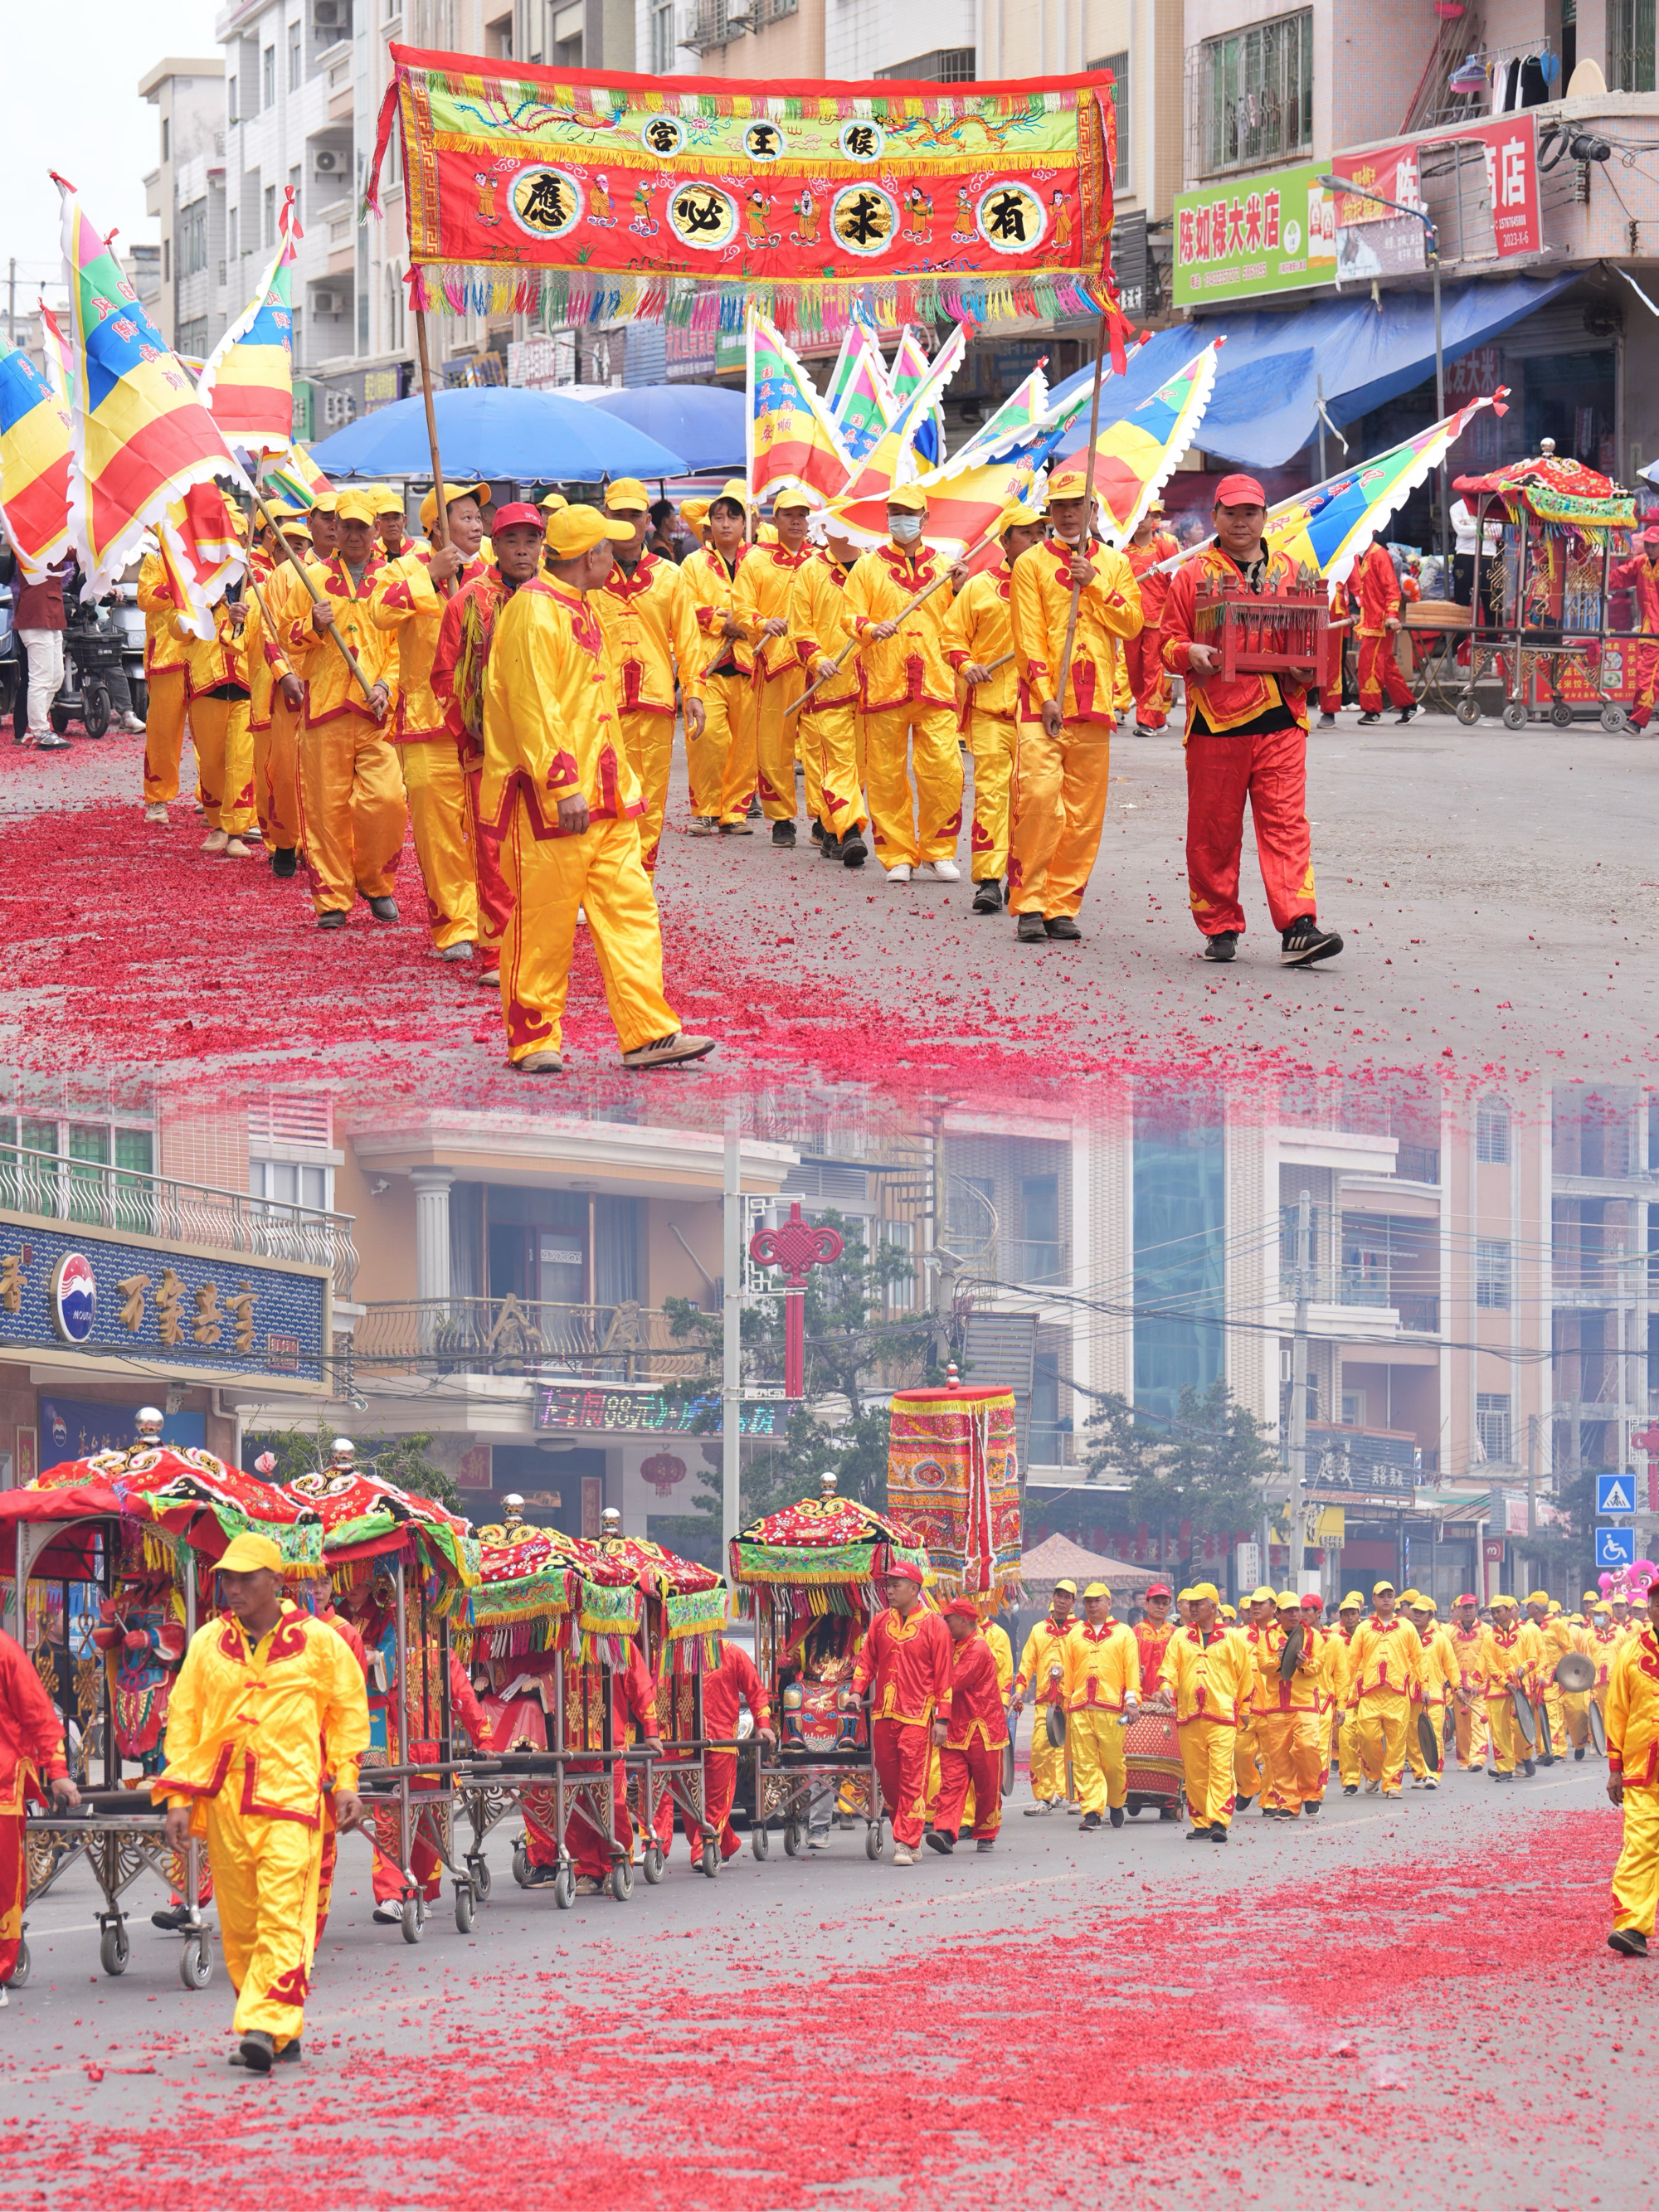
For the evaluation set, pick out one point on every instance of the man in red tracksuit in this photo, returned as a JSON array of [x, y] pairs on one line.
[[1640, 575], [32, 1764], [1376, 590], [1148, 677], [904, 1668], [632, 1696], [1247, 737], [971, 1740], [734, 1682]]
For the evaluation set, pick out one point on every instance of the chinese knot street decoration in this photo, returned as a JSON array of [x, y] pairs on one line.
[[796, 1246]]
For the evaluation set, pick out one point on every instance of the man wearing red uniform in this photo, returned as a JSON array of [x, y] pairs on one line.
[[632, 1696], [904, 1670], [971, 1740], [735, 1682], [1640, 575], [1148, 677], [31, 1756], [1154, 1630], [1376, 590], [1247, 737]]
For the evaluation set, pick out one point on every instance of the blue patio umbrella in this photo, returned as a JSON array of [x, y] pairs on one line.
[[489, 432], [705, 421]]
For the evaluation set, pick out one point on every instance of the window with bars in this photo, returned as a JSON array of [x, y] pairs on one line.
[[192, 239], [1119, 66], [1631, 45], [268, 78], [1492, 1135], [943, 65], [1493, 1424], [1492, 1270], [664, 39], [1255, 93]]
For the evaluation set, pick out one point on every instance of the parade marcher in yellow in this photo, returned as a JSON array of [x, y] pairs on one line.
[[289, 603], [1102, 1691], [164, 679], [258, 1691], [1442, 1673], [1385, 1662], [1506, 1665], [1555, 1637], [1604, 1642], [216, 688], [270, 567], [721, 765], [1249, 1768], [558, 788], [351, 791], [978, 635], [1349, 1615], [1468, 1638], [1290, 1709], [649, 619], [391, 524], [1207, 1672], [411, 593], [1062, 767], [760, 604], [1632, 1718], [909, 692], [1040, 1676], [831, 722]]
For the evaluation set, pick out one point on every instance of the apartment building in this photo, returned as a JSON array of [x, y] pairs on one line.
[[186, 193]]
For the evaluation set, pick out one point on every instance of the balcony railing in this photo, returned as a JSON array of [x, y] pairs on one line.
[[623, 1343], [127, 1203], [1372, 1287]]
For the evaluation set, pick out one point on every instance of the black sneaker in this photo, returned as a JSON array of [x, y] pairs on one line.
[[783, 833], [284, 863], [818, 831], [1217, 1834], [1090, 1820], [987, 898], [853, 850], [1223, 946], [1327, 722], [1198, 1835], [1529, 1768], [828, 845], [1578, 1753], [1406, 713], [383, 909], [541, 1877], [985, 1844], [1029, 930], [1116, 1814], [1304, 942], [332, 920], [1351, 1789], [940, 1843], [172, 1918], [1311, 1806], [1366, 722], [1064, 927], [1630, 1941], [1245, 1803]]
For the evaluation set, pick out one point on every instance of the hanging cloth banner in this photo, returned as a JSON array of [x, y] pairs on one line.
[[592, 196]]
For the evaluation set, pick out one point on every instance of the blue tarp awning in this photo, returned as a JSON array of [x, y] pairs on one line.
[[1262, 411]]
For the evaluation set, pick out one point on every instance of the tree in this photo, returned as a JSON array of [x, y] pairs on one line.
[[1207, 1469], [402, 1460]]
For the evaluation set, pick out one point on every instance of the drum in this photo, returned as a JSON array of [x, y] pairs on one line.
[[1151, 1759]]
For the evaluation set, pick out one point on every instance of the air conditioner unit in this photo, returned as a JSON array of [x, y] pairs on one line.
[[327, 303], [325, 14], [326, 162]]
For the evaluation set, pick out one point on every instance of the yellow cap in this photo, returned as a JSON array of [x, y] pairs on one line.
[[1555, 1605], [1070, 1588], [1183, 1597], [295, 527], [694, 512], [386, 501], [452, 493], [1289, 1597], [1230, 1613], [355, 505], [909, 498], [1538, 1597], [1601, 1607], [1262, 1596], [792, 496], [1408, 1595], [554, 503], [326, 502], [736, 488], [1500, 1599], [1205, 1590], [281, 509], [1070, 483], [1378, 1588], [1352, 1602], [1426, 1605], [1592, 1597], [574, 531], [1097, 1590], [1017, 516], [627, 496], [247, 1553]]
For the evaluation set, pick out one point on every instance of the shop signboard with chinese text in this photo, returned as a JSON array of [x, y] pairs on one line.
[[617, 1407], [1482, 206], [1247, 236], [1356, 1462]]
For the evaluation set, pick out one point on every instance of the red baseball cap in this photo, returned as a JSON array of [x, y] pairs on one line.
[[1159, 1589], [519, 514], [1312, 1598], [1231, 491], [1467, 1598], [964, 1609]]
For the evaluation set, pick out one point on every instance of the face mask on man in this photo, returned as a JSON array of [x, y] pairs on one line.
[[906, 528]]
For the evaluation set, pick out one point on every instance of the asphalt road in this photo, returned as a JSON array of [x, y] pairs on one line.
[[1411, 1996]]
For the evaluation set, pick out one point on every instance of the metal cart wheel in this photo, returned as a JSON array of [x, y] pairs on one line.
[[522, 1863], [1561, 714], [1467, 712], [622, 1882], [793, 1838], [564, 1889], [19, 1972], [652, 1864], [711, 1857], [1614, 718], [872, 1840], [1515, 715], [414, 1920], [114, 1948], [760, 1839], [478, 1867], [196, 1963], [466, 1907], [95, 710]]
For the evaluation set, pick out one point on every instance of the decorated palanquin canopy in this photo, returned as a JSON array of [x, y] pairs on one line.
[[1559, 493], [827, 1554], [693, 1601], [527, 1596], [169, 1496], [366, 1522], [953, 1476], [589, 196]]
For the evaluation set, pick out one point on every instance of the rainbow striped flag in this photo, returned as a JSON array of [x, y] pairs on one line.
[[1013, 424], [893, 459], [791, 439], [295, 476], [860, 398], [60, 363], [246, 382], [1136, 456], [37, 438], [143, 438], [963, 504], [911, 369]]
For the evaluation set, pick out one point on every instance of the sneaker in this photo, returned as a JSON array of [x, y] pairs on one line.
[[284, 860], [985, 1844], [1223, 946], [1218, 1834], [1351, 1789], [736, 829], [1244, 1803], [1142, 731], [172, 1918], [853, 850], [1431, 1781], [1304, 942], [1198, 1835], [938, 1842], [131, 727], [332, 920], [1035, 1812], [1369, 721], [818, 1839], [454, 953], [701, 825], [828, 846], [589, 1884], [755, 808], [987, 898], [903, 1857], [156, 812], [1062, 927], [490, 977], [900, 874], [945, 872], [668, 1051], [214, 842], [1577, 1751], [817, 831], [1115, 1814], [541, 1877], [256, 2051], [389, 1915], [1029, 930], [1371, 1788], [383, 909], [1327, 721], [1529, 1768], [783, 833], [1406, 713], [1311, 1807], [236, 850], [50, 742], [539, 1063], [1090, 1820], [1629, 1941]]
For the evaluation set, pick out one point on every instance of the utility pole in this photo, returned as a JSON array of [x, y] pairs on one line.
[[1299, 1424], [732, 1224], [1532, 1476]]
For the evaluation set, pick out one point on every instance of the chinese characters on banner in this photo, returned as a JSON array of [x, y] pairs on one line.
[[1271, 233], [1498, 195]]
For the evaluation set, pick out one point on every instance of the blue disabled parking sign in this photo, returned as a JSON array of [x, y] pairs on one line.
[[1615, 1547], [1615, 1493]]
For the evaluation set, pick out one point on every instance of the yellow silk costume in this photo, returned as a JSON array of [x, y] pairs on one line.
[[351, 790], [1045, 1649], [1441, 1673], [1505, 1662], [164, 676], [1103, 1668], [831, 724], [1632, 1719], [761, 593], [909, 692], [720, 764], [277, 749], [651, 630], [979, 629], [219, 725], [244, 1744], [1469, 1649], [1385, 1662], [1212, 1680], [1290, 1719]]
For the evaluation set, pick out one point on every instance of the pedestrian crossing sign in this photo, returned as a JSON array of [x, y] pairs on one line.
[[1615, 1493], [1615, 1547]]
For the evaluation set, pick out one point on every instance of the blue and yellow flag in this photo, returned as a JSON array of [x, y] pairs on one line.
[[36, 442], [247, 381]]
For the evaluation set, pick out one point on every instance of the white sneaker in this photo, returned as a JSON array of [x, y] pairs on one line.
[[901, 874], [947, 871], [1371, 1789], [902, 1857], [156, 811], [214, 842], [455, 953], [132, 726], [236, 850]]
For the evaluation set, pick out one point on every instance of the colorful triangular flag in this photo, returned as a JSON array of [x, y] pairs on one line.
[[791, 439], [37, 442], [246, 382]]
